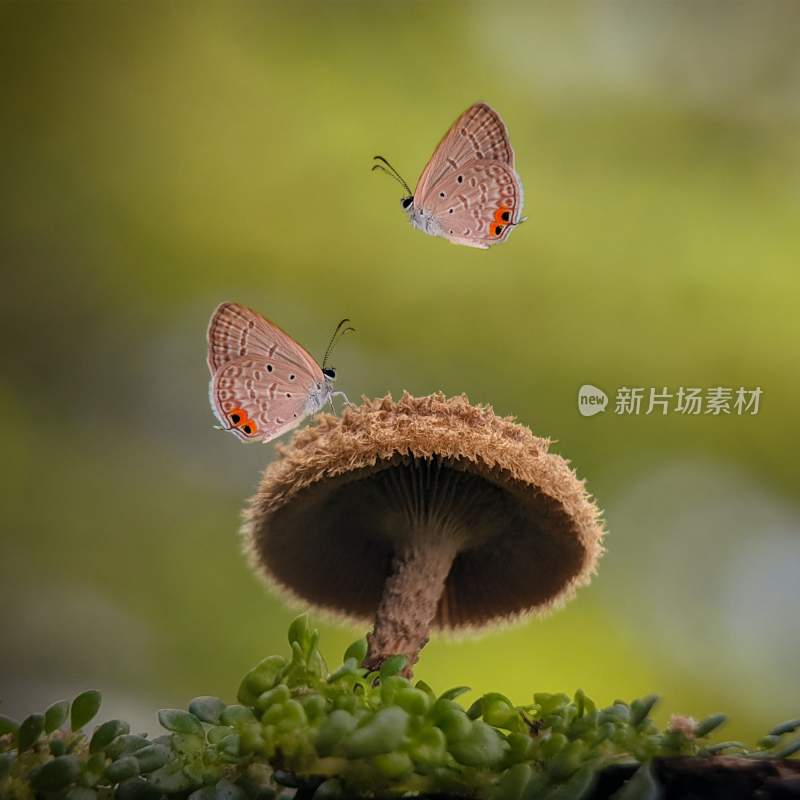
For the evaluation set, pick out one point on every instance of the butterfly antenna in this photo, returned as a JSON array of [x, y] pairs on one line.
[[332, 342], [392, 172]]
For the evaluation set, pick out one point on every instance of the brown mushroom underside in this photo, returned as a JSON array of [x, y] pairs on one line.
[[430, 511]]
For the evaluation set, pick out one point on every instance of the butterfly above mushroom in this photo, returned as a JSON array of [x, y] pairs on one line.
[[469, 193], [263, 382]]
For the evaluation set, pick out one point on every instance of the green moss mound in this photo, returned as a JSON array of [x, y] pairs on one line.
[[301, 730]]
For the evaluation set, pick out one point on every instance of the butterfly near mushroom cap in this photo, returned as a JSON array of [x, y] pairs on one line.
[[469, 193], [263, 382]]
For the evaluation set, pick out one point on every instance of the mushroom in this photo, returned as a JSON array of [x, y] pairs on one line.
[[425, 513]]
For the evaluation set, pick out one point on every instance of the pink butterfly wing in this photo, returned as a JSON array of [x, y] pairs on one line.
[[479, 204], [261, 377], [478, 133], [236, 331], [256, 404]]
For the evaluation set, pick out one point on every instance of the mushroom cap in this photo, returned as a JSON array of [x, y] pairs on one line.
[[329, 513]]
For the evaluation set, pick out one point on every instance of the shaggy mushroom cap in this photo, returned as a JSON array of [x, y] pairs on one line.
[[423, 513]]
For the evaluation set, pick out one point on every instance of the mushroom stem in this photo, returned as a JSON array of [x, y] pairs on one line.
[[411, 596]]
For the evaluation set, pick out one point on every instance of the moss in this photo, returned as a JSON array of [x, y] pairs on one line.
[[350, 732]]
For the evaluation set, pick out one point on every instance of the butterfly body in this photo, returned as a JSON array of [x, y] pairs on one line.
[[263, 382], [424, 220], [469, 193]]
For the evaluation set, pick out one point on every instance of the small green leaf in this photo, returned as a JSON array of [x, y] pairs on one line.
[[451, 719], [262, 677], [231, 745], [300, 632], [30, 730], [392, 666], [187, 743], [333, 731], [136, 789], [429, 747], [122, 769], [640, 709], [207, 708], [8, 725], [170, 778], [785, 727], [456, 691], [236, 716], [357, 650], [280, 694], [126, 745], [393, 766], [106, 733], [330, 789], [381, 734], [152, 757], [482, 747], [349, 667], [709, 724], [178, 721], [218, 733], [56, 716], [84, 709], [56, 775], [788, 751], [415, 701], [580, 702]]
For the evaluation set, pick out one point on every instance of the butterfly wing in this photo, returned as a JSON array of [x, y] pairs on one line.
[[481, 209], [236, 331], [256, 404], [262, 379], [479, 133]]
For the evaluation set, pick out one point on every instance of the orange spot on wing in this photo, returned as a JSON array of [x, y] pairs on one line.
[[502, 216], [237, 417], [496, 229], [253, 428]]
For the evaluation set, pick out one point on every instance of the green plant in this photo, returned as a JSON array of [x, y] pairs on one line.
[[350, 733]]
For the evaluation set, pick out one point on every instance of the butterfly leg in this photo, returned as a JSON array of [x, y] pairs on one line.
[[339, 394]]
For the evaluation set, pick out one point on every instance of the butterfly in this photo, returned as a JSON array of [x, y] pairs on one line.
[[469, 193], [263, 383]]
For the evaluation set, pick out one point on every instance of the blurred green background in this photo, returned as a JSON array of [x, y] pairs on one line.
[[159, 158]]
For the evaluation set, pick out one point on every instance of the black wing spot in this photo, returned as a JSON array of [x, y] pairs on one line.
[[292, 377], [287, 394], [269, 367], [441, 194], [498, 230], [235, 419], [247, 429], [450, 211], [506, 215], [460, 179]]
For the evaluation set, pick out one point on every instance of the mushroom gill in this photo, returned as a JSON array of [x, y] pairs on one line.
[[422, 513]]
